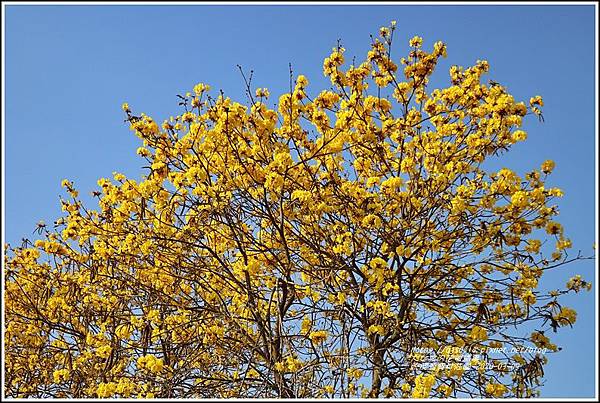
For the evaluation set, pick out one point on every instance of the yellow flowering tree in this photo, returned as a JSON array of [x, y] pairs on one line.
[[348, 243]]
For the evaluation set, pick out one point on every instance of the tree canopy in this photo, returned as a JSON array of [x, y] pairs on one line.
[[345, 243]]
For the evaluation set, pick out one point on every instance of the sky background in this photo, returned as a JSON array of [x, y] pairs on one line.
[[69, 69]]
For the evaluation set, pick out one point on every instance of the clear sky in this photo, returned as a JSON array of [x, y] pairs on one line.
[[69, 69]]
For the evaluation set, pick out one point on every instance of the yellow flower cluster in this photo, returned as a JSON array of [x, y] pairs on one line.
[[495, 389], [541, 341], [318, 336], [151, 363], [576, 283], [566, 316], [423, 385], [478, 333], [290, 364]]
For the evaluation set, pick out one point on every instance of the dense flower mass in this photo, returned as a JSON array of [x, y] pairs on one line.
[[302, 251]]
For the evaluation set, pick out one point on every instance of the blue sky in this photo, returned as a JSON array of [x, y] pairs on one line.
[[69, 69]]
